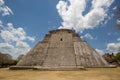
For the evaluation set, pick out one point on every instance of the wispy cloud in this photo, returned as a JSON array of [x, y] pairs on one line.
[[88, 36], [112, 34], [71, 12], [118, 39], [1, 24], [101, 52], [108, 33], [5, 10]]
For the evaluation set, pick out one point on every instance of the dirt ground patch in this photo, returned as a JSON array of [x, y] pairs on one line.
[[89, 74]]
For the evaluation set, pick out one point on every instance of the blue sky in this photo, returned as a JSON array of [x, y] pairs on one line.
[[32, 19]]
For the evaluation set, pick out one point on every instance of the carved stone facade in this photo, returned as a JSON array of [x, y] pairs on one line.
[[62, 49]]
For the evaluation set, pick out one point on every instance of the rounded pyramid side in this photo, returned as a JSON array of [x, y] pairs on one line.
[[87, 56]]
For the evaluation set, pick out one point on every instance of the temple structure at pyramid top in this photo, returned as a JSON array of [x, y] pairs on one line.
[[62, 49]]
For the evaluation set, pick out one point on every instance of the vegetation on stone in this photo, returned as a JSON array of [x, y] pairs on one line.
[[117, 56]]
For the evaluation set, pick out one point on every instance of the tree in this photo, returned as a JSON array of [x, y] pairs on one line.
[[117, 57], [6, 60]]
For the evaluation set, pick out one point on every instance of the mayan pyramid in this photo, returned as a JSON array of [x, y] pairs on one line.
[[62, 49]]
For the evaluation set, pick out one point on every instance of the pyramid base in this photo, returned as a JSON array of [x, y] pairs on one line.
[[108, 66], [57, 68], [46, 68], [63, 68]]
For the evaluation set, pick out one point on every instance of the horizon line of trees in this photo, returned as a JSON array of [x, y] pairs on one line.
[[6, 60]]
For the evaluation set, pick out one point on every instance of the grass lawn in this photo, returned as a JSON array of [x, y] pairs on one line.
[[89, 74]]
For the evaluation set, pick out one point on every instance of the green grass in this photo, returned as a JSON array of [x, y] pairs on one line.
[[89, 74]]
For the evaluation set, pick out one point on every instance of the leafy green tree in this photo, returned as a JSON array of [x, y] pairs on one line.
[[117, 57]]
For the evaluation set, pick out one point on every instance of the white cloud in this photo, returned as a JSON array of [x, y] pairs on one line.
[[115, 8], [2, 2], [89, 36], [118, 39], [6, 46], [31, 38], [18, 51], [1, 24], [71, 12], [101, 4], [14, 40], [11, 34], [113, 47], [101, 52], [5, 10], [15, 51], [22, 44]]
